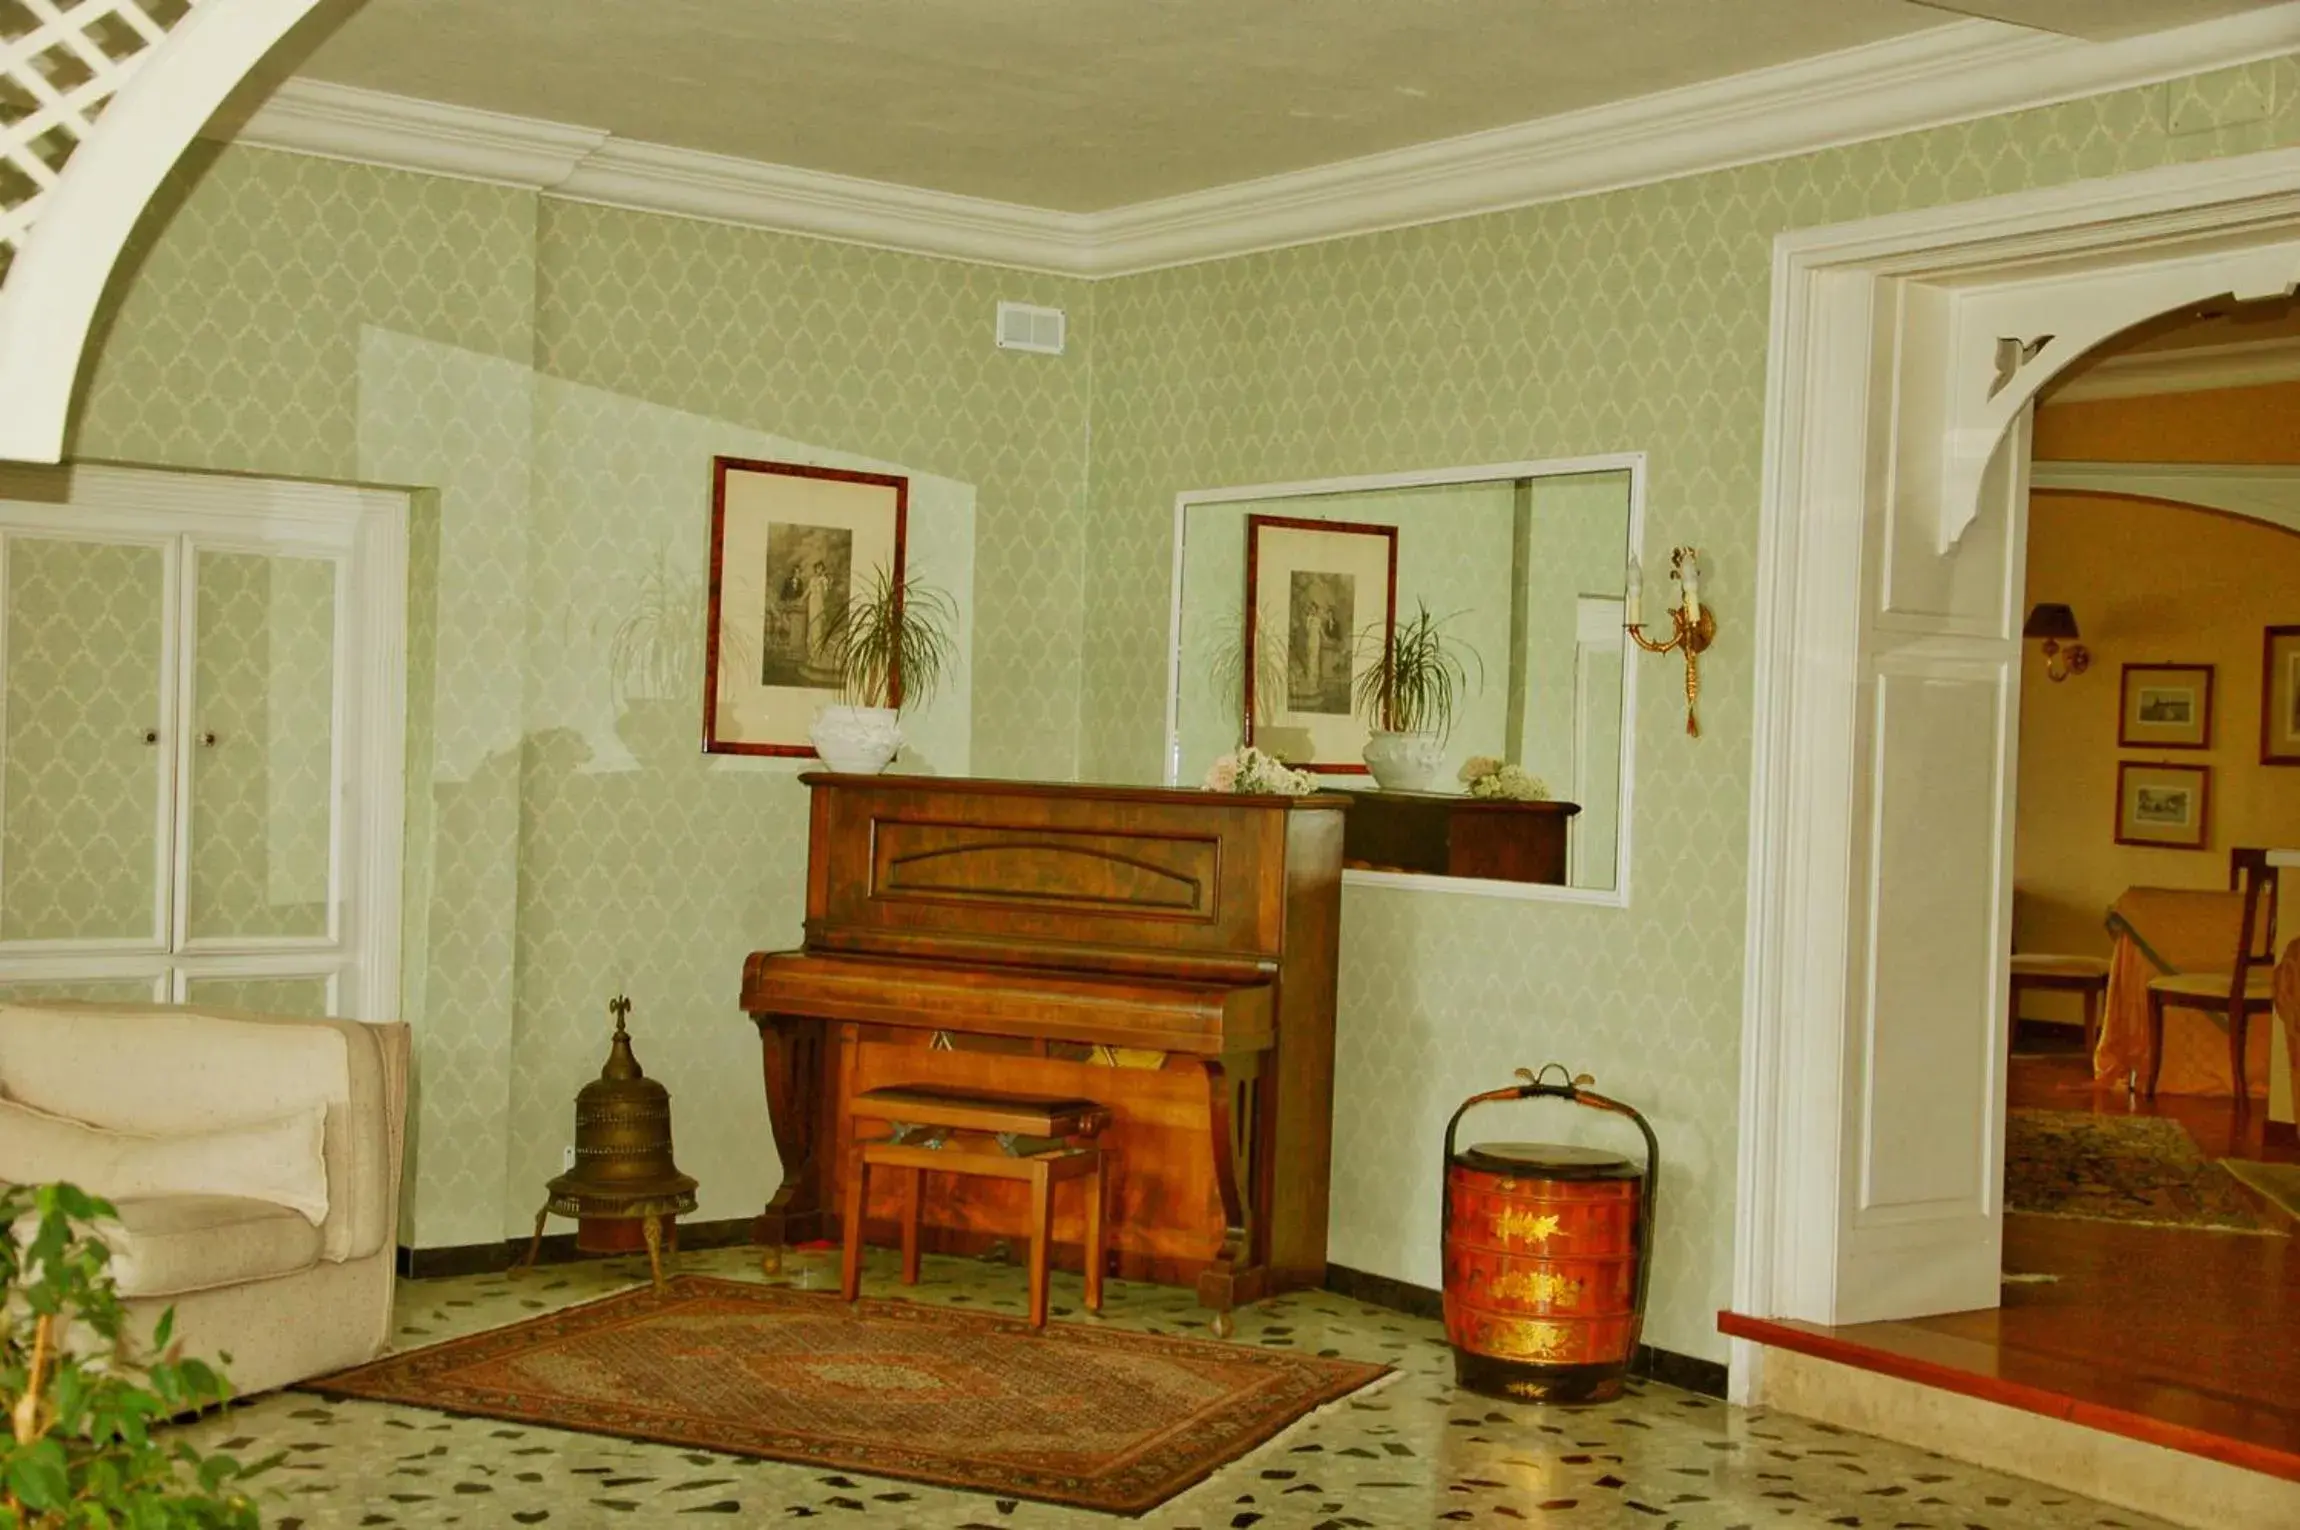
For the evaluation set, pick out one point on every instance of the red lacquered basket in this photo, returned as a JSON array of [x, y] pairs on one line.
[[1548, 1250]]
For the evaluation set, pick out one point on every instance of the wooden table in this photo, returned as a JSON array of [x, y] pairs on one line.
[[1448, 834]]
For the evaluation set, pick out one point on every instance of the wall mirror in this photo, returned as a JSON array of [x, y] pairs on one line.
[[1300, 611]]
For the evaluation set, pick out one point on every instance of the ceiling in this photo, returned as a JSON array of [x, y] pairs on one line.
[[1084, 105]]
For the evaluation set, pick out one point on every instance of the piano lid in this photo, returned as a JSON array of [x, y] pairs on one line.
[[1103, 878]]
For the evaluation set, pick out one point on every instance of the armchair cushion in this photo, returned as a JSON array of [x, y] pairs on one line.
[[158, 1068], [174, 1244], [279, 1160]]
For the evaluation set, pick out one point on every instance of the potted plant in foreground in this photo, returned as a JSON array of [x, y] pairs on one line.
[[893, 647], [1407, 690], [81, 1403]]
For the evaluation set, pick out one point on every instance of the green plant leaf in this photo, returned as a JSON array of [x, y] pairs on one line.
[[39, 1476]]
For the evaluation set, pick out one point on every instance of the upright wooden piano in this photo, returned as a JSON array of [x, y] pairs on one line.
[[1168, 953]]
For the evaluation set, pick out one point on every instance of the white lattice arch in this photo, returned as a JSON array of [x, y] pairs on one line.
[[98, 99]]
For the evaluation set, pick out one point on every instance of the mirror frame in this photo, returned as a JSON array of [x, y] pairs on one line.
[[1633, 463]]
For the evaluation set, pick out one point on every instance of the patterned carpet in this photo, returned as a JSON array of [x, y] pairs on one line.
[[2118, 1169], [1097, 1417]]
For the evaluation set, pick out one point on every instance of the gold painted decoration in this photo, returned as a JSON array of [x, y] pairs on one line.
[[1526, 1227], [1540, 1287], [1529, 1341]]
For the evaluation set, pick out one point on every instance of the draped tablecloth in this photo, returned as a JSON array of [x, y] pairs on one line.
[[2173, 929]]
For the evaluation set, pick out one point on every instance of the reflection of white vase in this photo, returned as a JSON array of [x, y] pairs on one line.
[[1404, 762], [856, 740]]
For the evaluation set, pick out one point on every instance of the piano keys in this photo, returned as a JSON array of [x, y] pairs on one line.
[[1170, 954]]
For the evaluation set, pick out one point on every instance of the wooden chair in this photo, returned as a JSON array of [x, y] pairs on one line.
[[1033, 1138], [2236, 995], [2087, 975]]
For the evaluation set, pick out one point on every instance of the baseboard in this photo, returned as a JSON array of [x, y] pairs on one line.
[[558, 1248], [2280, 1133], [1687, 1372]]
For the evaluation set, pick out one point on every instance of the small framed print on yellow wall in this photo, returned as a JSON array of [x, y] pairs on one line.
[[2280, 697], [2166, 706], [2165, 806]]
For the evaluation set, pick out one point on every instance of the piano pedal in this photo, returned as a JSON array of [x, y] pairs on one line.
[[1001, 1251]]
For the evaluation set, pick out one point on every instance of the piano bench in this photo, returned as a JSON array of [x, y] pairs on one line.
[[1031, 1138]]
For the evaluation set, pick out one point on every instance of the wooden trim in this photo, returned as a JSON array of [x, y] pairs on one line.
[[2124, 706], [2203, 773], [1823, 1344], [720, 466], [1253, 625], [2268, 755]]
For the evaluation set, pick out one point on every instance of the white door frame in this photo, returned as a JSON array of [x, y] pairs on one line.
[[365, 530], [1972, 308]]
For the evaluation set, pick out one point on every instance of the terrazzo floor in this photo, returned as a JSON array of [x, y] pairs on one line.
[[1408, 1452]]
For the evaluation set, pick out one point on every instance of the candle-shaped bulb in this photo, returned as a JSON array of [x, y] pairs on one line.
[[1633, 596], [1691, 573]]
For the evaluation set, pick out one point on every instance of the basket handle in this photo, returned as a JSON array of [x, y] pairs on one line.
[[1574, 1089]]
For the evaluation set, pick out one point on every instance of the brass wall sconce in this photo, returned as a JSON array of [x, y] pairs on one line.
[[1695, 623], [2056, 625]]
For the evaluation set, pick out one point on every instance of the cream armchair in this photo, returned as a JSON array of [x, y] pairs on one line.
[[287, 1293]]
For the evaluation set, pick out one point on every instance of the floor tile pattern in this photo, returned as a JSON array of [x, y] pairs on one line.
[[1412, 1451]]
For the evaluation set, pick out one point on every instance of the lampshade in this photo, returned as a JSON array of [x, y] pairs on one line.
[[2050, 621]]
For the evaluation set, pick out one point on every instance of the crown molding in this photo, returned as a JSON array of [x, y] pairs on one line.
[[2205, 369], [657, 178], [371, 127], [1951, 73], [2269, 493]]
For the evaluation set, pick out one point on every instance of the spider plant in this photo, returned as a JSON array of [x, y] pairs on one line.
[[1226, 667], [1413, 677], [894, 642], [655, 652]]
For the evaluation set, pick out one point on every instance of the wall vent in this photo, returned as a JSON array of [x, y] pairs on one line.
[[1022, 327]]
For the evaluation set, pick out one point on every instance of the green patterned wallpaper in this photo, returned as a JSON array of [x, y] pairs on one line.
[[300, 316], [82, 688], [1630, 321]]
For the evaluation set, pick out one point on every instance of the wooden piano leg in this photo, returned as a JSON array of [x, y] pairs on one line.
[[1232, 1094], [794, 1053]]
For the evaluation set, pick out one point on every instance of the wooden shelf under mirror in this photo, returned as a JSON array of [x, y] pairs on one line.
[[1448, 835]]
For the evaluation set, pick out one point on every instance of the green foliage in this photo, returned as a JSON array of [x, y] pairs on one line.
[[893, 643], [1412, 678], [656, 651], [82, 1402]]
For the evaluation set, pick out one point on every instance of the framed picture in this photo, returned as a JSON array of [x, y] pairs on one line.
[[1325, 592], [2280, 697], [2168, 806], [2166, 706], [790, 546]]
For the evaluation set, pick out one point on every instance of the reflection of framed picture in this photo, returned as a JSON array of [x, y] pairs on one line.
[[2280, 697], [2168, 806], [1317, 588], [2166, 706], [790, 546]]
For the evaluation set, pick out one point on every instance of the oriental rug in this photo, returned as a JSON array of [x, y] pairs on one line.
[[1101, 1418], [2143, 1169]]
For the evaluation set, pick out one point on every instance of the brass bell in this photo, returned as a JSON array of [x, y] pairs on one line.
[[623, 1170]]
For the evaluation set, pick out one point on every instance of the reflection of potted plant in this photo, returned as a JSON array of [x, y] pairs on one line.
[[655, 661], [1411, 680], [1226, 667], [893, 646], [82, 1401]]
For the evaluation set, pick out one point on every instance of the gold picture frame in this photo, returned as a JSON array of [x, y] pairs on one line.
[[2280, 696]]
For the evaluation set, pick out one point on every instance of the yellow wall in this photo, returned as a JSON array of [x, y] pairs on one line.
[[2223, 425], [2150, 583]]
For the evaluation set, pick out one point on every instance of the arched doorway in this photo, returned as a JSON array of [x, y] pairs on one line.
[[1906, 354]]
